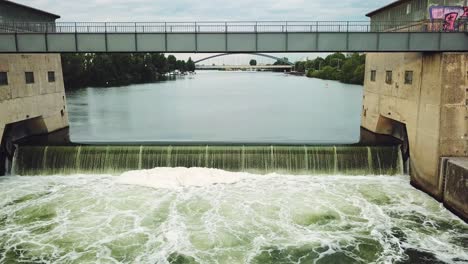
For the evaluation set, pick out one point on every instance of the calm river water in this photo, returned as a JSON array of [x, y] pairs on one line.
[[220, 106]]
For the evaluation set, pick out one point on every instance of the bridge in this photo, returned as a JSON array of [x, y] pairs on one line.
[[231, 37], [256, 54], [243, 67], [287, 64]]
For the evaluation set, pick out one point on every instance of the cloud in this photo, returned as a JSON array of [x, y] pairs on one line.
[[204, 10]]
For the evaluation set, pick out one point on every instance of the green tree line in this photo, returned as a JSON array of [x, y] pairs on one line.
[[348, 68], [281, 61], [117, 69]]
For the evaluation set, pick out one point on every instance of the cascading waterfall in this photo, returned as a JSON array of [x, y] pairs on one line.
[[51, 160]]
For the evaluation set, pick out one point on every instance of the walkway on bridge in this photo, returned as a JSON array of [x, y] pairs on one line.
[[231, 37]]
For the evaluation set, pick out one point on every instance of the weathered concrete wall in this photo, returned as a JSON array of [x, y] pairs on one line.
[[455, 173], [433, 108], [41, 100]]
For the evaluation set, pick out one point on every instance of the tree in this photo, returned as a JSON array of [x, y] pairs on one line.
[[334, 59], [282, 61], [318, 63], [349, 70], [180, 65], [310, 73], [190, 65], [253, 62], [113, 69], [160, 62], [300, 66], [359, 73], [149, 74], [74, 67], [171, 62], [327, 73], [337, 66]]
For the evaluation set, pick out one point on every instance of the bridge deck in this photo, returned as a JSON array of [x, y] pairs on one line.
[[231, 37]]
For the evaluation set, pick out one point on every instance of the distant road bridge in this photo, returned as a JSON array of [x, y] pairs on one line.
[[243, 67], [256, 54], [230, 37]]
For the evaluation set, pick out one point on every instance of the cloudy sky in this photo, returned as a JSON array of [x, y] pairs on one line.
[[207, 10], [190, 10]]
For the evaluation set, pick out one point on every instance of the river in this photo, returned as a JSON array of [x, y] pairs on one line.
[[96, 204], [220, 106]]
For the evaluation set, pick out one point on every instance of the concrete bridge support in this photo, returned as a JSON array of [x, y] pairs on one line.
[[30, 105], [425, 94]]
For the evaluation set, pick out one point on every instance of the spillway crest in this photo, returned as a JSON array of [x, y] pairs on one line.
[[51, 160]]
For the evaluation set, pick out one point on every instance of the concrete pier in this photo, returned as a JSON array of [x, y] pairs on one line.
[[422, 99], [454, 171], [32, 98]]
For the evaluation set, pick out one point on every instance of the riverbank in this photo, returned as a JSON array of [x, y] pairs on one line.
[[349, 69], [116, 69]]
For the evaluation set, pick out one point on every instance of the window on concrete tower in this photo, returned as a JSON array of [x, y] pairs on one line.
[[388, 77], [29, 76], [3, 78], [373, 75], [51, 76], [408, 77]]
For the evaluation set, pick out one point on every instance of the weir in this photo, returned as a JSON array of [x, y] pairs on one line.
[[329, 160]]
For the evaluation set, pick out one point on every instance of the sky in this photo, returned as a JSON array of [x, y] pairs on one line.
[[208, 10]]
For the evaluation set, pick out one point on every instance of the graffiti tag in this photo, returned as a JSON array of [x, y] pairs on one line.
[[450, 20], [451, 15], [439, 12]]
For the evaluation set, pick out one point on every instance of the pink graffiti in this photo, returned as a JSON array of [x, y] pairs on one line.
[[450, 20], [440, 12]]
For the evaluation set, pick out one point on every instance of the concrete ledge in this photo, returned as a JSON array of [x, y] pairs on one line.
[[455, 174]]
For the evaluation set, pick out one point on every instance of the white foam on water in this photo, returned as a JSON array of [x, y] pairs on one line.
[[173, 178], [215, 216]]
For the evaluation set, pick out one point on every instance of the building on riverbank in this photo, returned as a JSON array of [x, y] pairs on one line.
[[422, 98], [32, 95], [11, 12]]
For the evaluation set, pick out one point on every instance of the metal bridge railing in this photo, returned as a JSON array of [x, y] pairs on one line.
[[230, 27]]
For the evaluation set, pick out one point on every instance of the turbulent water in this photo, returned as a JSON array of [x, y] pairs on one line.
[[227, 218]]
